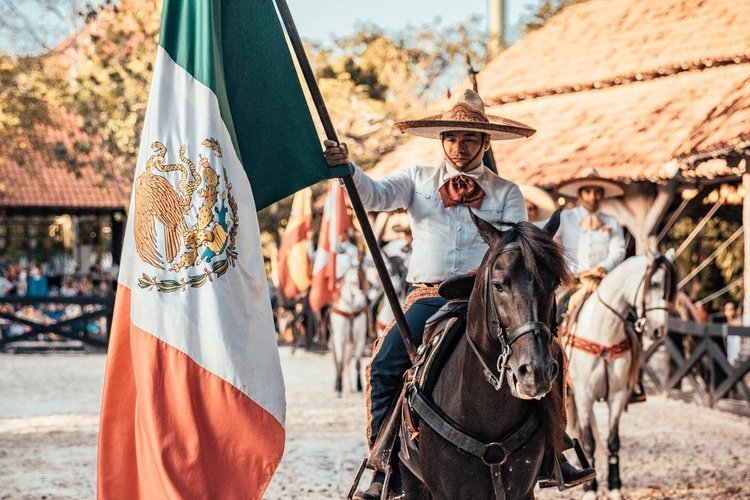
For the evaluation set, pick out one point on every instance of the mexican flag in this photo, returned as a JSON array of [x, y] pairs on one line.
[[193, 403]]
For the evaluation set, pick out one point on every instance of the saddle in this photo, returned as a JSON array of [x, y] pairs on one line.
[[442, 331]]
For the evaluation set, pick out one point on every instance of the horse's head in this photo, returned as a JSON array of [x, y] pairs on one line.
[[658, 293], [512, 303]]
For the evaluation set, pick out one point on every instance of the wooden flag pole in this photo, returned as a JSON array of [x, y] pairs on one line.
[[359, 209], [489, 158]]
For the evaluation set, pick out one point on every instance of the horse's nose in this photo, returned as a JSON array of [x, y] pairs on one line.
[[552, 370], [531, 374]]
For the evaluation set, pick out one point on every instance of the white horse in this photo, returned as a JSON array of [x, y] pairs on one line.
[[348, 331], [396, 254], [604, 349]]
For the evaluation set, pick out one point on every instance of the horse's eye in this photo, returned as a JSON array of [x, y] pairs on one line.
[[497, 286]]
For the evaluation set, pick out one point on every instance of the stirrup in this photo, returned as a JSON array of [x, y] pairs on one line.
[[358, 476], [557, 475]]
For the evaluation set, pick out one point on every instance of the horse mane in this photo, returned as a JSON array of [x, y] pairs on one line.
[[542, 255], [540, 252]]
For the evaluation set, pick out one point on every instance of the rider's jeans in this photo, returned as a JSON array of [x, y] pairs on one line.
[[391, 361]]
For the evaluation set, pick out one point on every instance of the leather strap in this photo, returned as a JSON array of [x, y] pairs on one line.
[[599, 350], [492, 454], [347, 315]]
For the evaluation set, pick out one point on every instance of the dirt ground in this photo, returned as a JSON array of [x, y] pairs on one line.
[[49, 407]]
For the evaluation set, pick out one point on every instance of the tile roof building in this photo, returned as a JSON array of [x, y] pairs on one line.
[[634, 88]]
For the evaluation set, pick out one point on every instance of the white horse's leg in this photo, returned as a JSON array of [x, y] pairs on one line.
[[337, 345], [358, 349], [616, 403], [585, 412]]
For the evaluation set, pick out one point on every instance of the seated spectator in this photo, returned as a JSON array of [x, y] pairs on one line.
[[36, 283]]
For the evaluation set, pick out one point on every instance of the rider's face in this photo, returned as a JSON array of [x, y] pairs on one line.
[[590, 198], [464, 150]]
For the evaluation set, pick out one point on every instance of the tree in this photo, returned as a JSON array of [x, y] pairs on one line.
[[544, 11]]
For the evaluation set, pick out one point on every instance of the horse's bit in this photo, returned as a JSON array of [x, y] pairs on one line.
[[639, 320], [506, 339]]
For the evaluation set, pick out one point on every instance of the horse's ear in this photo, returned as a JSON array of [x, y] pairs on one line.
[[487, 231], [553, 223]]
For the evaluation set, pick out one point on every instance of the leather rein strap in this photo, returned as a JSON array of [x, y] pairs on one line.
[[493, 454]]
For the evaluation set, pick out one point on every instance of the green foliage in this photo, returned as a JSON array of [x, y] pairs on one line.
[[26, 90], [544, 11], [111, 91], [727, 267]]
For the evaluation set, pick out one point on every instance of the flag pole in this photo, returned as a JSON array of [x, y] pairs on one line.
[[359, 209]]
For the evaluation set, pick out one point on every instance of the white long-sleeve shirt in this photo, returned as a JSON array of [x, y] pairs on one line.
[[446, 241], [586, 250]]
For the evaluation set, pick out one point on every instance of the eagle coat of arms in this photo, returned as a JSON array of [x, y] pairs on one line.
[[197, 219]]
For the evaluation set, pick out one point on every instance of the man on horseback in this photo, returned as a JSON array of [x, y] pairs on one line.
[[446, 242], [593, 240]]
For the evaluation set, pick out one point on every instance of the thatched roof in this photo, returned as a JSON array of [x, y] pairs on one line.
[[625, 86]]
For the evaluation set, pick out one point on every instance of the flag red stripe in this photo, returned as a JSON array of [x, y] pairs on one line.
[[171, 429]]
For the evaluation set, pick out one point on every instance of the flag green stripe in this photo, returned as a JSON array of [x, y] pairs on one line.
[[238, 49]]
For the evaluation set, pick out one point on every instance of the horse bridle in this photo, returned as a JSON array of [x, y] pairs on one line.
[[505, 338], [638, 320]]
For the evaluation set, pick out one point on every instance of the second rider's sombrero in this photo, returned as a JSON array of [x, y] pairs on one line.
[[466, 113], [591, 178]]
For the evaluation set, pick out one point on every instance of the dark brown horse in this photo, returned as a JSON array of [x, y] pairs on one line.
[[491, 387]]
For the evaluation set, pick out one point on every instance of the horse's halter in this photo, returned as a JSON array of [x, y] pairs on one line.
[[638, 319], [505, 338]]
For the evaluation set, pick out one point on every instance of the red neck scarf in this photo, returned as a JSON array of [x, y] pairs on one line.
[[461, 190]]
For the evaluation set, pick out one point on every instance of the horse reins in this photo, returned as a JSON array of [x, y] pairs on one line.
[[506, 339], [638, 320], [496, 453], [633, 318]]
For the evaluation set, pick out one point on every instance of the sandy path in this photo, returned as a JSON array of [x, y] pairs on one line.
[[49, 408]]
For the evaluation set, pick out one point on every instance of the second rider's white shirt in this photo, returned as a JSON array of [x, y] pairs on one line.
[[446, 241]]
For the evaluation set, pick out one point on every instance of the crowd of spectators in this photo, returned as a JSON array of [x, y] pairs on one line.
[[45, 280]]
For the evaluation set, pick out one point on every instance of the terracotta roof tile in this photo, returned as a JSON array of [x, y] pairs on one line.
[[36, 180], [628, 132], [602, 40]]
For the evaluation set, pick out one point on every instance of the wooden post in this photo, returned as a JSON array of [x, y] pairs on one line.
[[746, 238]]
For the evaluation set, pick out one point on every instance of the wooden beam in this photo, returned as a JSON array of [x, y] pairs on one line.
[[746, 238]]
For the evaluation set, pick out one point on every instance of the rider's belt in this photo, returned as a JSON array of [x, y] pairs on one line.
[[600, 351], [426, 285], [416, 293]]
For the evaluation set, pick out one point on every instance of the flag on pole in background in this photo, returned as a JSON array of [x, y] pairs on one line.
[[193, 403], [333, 228], [294, 263]]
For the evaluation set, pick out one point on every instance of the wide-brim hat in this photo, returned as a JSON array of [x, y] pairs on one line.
[[466, 113], [591, 177], [544, 202]]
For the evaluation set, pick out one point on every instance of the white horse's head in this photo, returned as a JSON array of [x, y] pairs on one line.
[[658, 292]]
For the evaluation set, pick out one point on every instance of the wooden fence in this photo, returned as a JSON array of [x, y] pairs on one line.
[[695, 366], [90, 323]]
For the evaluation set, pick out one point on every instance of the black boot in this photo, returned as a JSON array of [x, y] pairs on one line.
[[374, 491], [571, 475], [558, 471], [638, 395]]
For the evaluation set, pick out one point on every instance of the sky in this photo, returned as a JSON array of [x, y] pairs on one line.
[[318, 19]]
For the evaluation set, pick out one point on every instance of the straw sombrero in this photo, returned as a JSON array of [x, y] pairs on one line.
[[465, 113], [544, 202], [591, 178]]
